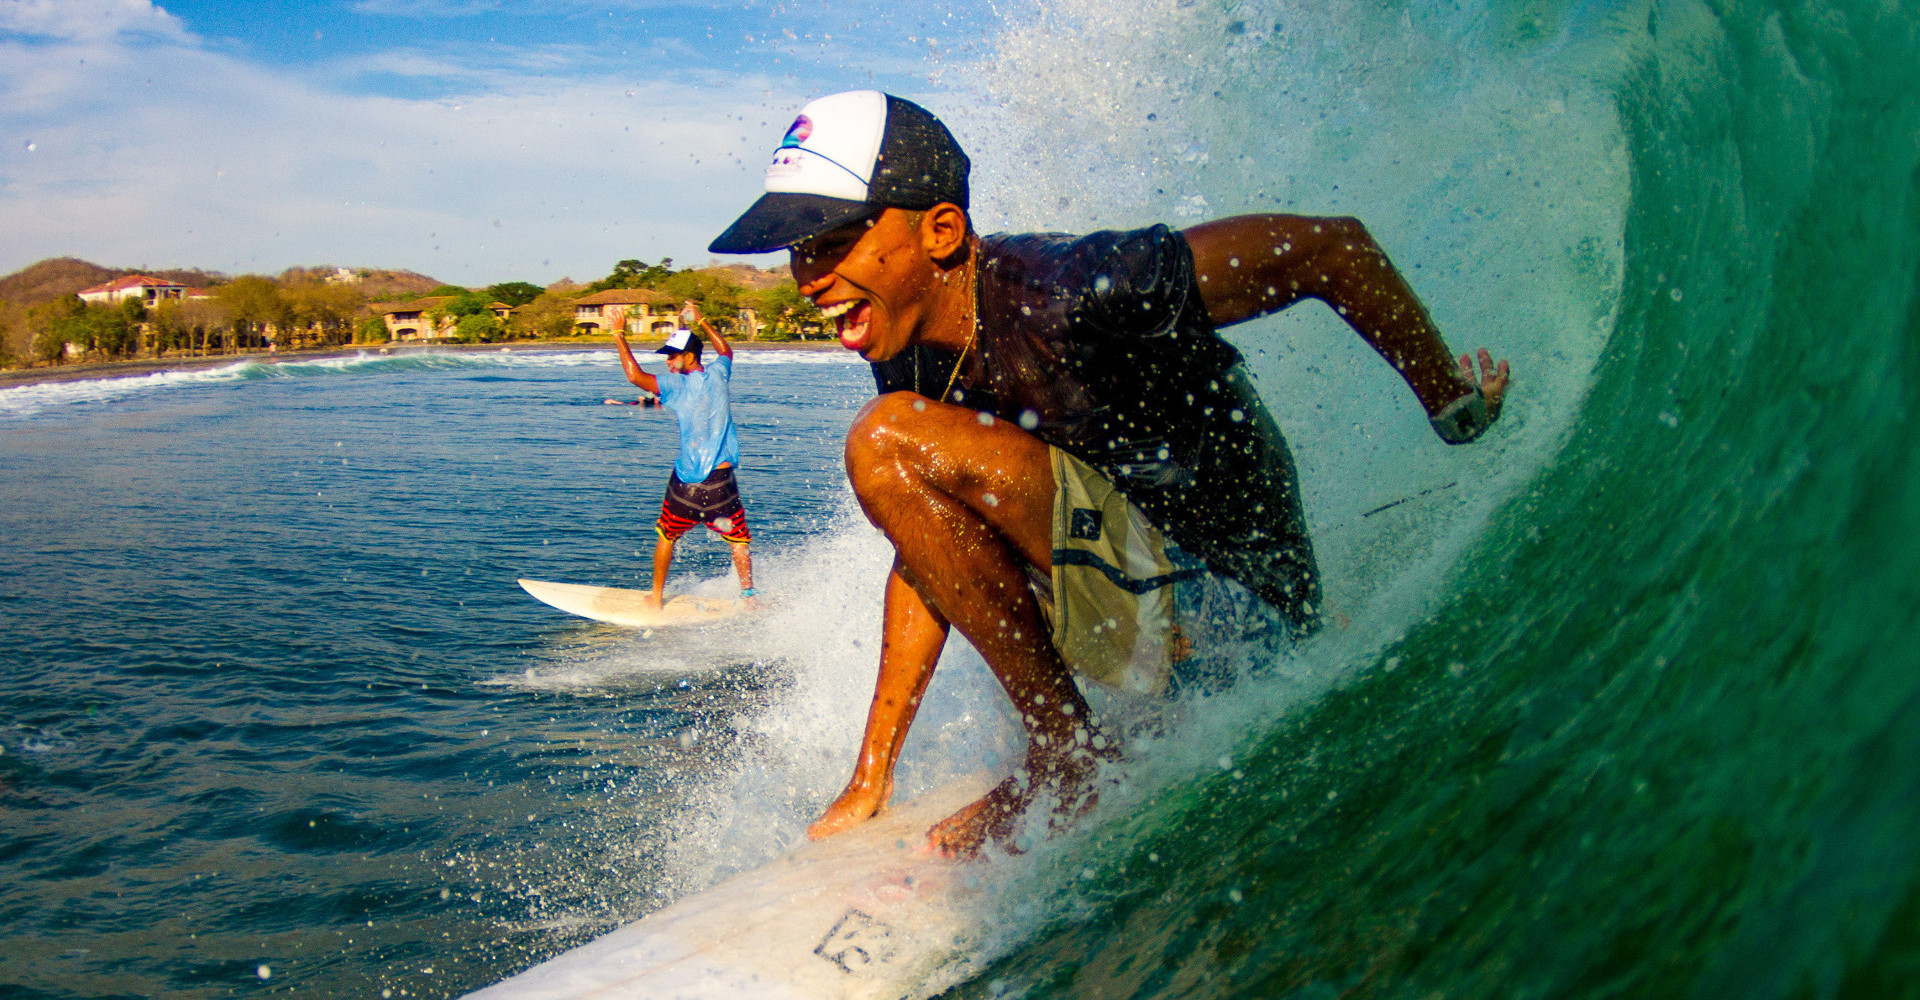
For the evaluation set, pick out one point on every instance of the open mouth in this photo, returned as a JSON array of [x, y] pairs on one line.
[[851, 319]]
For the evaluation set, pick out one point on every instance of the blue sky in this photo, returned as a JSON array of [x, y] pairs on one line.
[[473, 140]]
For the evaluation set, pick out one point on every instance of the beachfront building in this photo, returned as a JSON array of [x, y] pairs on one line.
[[420, 320], [640, 311], [151, 291]]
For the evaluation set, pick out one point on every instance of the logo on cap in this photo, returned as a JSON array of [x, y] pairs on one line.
[[800, 131]]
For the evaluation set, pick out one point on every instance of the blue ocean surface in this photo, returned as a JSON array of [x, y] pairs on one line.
[[274, 712]]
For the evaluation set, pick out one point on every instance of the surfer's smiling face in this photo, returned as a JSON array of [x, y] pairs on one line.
[[875, 280]]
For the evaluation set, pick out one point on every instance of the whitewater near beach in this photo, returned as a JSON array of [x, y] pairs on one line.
[[1621, 703]]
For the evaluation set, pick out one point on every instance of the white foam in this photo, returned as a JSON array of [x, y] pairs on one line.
[[28, 400], [51, 397], [1498, 184]]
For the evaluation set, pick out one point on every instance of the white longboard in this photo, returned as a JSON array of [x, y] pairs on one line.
[[863, 915], [618, 606]]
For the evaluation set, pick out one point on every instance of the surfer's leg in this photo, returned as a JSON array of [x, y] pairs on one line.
[[742, 564], [912, 634], [967, 502], [731, 524], [662, 561], [677, 517]]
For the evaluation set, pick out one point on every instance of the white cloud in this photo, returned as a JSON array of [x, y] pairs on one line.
[[84, 20], [142, 147]]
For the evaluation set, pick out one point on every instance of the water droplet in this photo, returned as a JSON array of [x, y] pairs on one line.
[[264, 972]]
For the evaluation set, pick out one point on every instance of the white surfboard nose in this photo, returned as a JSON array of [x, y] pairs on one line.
[[620, 606]]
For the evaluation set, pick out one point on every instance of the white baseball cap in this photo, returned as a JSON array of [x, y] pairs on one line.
[[679, 340], [846, 157]]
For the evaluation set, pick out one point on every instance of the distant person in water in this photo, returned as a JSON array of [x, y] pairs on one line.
[[1057, 420], [701, 489]]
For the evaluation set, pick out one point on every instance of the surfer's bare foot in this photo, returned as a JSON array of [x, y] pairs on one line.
[[1068, 777], [651, 600], [855, 806]]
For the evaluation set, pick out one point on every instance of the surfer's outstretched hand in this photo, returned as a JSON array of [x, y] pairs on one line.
[[1492, 379]]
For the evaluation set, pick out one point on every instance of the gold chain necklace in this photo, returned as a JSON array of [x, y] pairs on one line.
[[973, 309]]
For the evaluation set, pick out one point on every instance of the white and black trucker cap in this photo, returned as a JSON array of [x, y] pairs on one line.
[[679, 340], [846, 157]]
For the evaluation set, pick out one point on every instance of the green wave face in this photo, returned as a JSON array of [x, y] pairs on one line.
[[1654, 730]]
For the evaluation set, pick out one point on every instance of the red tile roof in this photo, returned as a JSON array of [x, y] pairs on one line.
[[131, 281]]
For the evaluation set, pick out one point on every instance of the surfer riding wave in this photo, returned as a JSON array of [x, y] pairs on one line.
[[1020, 373]]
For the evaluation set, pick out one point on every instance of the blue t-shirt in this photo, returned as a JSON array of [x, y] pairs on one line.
[[702, 405]]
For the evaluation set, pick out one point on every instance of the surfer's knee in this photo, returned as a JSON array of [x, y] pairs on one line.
[[890, 415], [888, 434]]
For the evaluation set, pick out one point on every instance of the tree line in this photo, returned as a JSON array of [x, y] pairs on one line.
[[300, 310]]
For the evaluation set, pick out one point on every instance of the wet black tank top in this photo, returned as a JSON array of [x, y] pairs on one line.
[[1100, 345]]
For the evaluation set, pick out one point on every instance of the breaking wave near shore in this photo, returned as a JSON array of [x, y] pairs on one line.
[[32, 399]]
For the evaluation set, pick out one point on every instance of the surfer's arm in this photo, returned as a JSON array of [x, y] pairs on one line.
[[720, 345], [635, 373], [1253, 265]]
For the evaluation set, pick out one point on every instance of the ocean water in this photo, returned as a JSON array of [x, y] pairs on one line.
[[1617, 703], [275, 714]]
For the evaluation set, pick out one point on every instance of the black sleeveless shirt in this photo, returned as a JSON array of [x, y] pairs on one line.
[[1100, 345]]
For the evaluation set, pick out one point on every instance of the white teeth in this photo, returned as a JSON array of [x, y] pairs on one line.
[[838, 308]]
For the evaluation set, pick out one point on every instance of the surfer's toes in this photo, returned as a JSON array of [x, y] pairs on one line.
[[854, 807]]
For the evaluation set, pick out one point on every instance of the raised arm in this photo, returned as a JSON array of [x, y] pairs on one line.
[[691, 313], [1252, 265], [634, 372]]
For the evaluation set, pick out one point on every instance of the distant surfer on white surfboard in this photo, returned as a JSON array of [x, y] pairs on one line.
[[1057, 416], [702, 488]]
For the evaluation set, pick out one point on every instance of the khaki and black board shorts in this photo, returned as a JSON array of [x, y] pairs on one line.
[[713, 501], [1131, 609], [1112, 588]]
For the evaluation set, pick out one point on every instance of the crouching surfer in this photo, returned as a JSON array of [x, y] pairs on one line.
[[1058, 421]]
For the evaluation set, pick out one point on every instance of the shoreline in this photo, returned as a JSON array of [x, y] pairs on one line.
[[136, 367]]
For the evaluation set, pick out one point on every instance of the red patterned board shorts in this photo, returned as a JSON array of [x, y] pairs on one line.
[[713, 501]]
